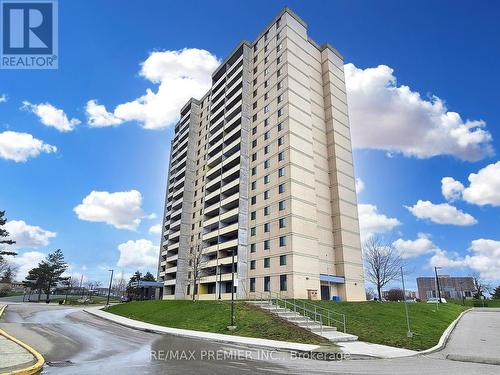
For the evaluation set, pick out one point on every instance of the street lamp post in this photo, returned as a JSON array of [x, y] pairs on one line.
[[67, 290], [409, 333], [109, 289], [437, 283]]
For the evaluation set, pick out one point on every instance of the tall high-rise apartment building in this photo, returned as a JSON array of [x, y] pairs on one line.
[[261, 184]]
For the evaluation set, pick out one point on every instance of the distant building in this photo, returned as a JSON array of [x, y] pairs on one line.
[[451, 287]]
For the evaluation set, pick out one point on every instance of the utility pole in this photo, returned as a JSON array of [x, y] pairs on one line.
[[437, 283], [81, 284], [220, 281], [409, 333], [67, 290], [109, 289]]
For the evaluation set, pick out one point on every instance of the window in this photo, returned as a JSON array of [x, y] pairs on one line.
[[265, 48], [255, 70], [255, 82], [266, 122], [254, 106], [282, 222], [281, 205], [266, 109], [266, 71], [253, 215], [267, 245], [254, 143], [254, 130], [278, 48], [281, 172], [279, 72], [266, 83], [278, 23], [266, 136], [267, 227], [266, 150], [254, 185], [282, 260], [266, 59], [283, 283], [255, 93], [266, 163], [282, 241], [254, 157], [281, 140], [253, 200], [266, 194], [267, 262], [266, 211], [278, 36], [267, 283], [255, 59], [252, 284], [255, 47], [278, 60], [281, 188], [280, 98], [254, 171], [252, 264], [280, 112], [266, 179], [266, 96], [266, 35], [280, 126], [254, 118], [253, 231], [252, 248], [281, 156]]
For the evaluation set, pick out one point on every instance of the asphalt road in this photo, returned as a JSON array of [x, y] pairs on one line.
[[74, 342]]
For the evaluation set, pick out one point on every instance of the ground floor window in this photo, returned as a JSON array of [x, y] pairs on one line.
[[267, 283], [283, 283], [252, 284]]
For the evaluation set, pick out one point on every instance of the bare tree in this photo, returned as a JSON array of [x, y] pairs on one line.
[[120, 285], [196, 261], [481, 286], [383, 263]]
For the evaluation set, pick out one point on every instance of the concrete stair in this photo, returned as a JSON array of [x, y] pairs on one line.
[[328, 332]]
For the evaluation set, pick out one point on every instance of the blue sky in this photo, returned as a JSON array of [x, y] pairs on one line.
[[444, 49]]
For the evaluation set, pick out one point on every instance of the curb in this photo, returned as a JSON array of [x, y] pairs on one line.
[[446, 335], [33, 369], [318, 351]]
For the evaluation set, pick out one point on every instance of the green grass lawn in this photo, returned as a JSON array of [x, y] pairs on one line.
[[385, 323], [213, 316], [478, 303]]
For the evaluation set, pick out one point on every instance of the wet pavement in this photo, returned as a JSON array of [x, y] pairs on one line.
[[74, 342]]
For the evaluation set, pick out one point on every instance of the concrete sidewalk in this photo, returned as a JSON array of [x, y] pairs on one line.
[[12, 355], [218, 337], [355, 348]]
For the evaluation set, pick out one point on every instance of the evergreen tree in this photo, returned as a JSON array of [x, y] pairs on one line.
[[148, 277], [3, 236]]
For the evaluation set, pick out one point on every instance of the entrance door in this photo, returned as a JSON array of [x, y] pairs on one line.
[[325, 292]]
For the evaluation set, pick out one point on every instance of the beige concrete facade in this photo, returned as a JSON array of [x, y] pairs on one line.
[[261, 168]]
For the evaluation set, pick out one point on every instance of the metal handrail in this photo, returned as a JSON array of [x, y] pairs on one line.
[[307, 309]]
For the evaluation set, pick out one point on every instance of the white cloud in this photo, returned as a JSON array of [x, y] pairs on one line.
[[25, 262], [442, 213], [3, 98], [451, 189], [180, 75], [484, 186], [138, 254], [22, 146], [414, 248], [155, 229], [484, 258], [52, 116], [27, 235], [372, 222], [120, 209], [360, 185], [385, 116], [99, 117]]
